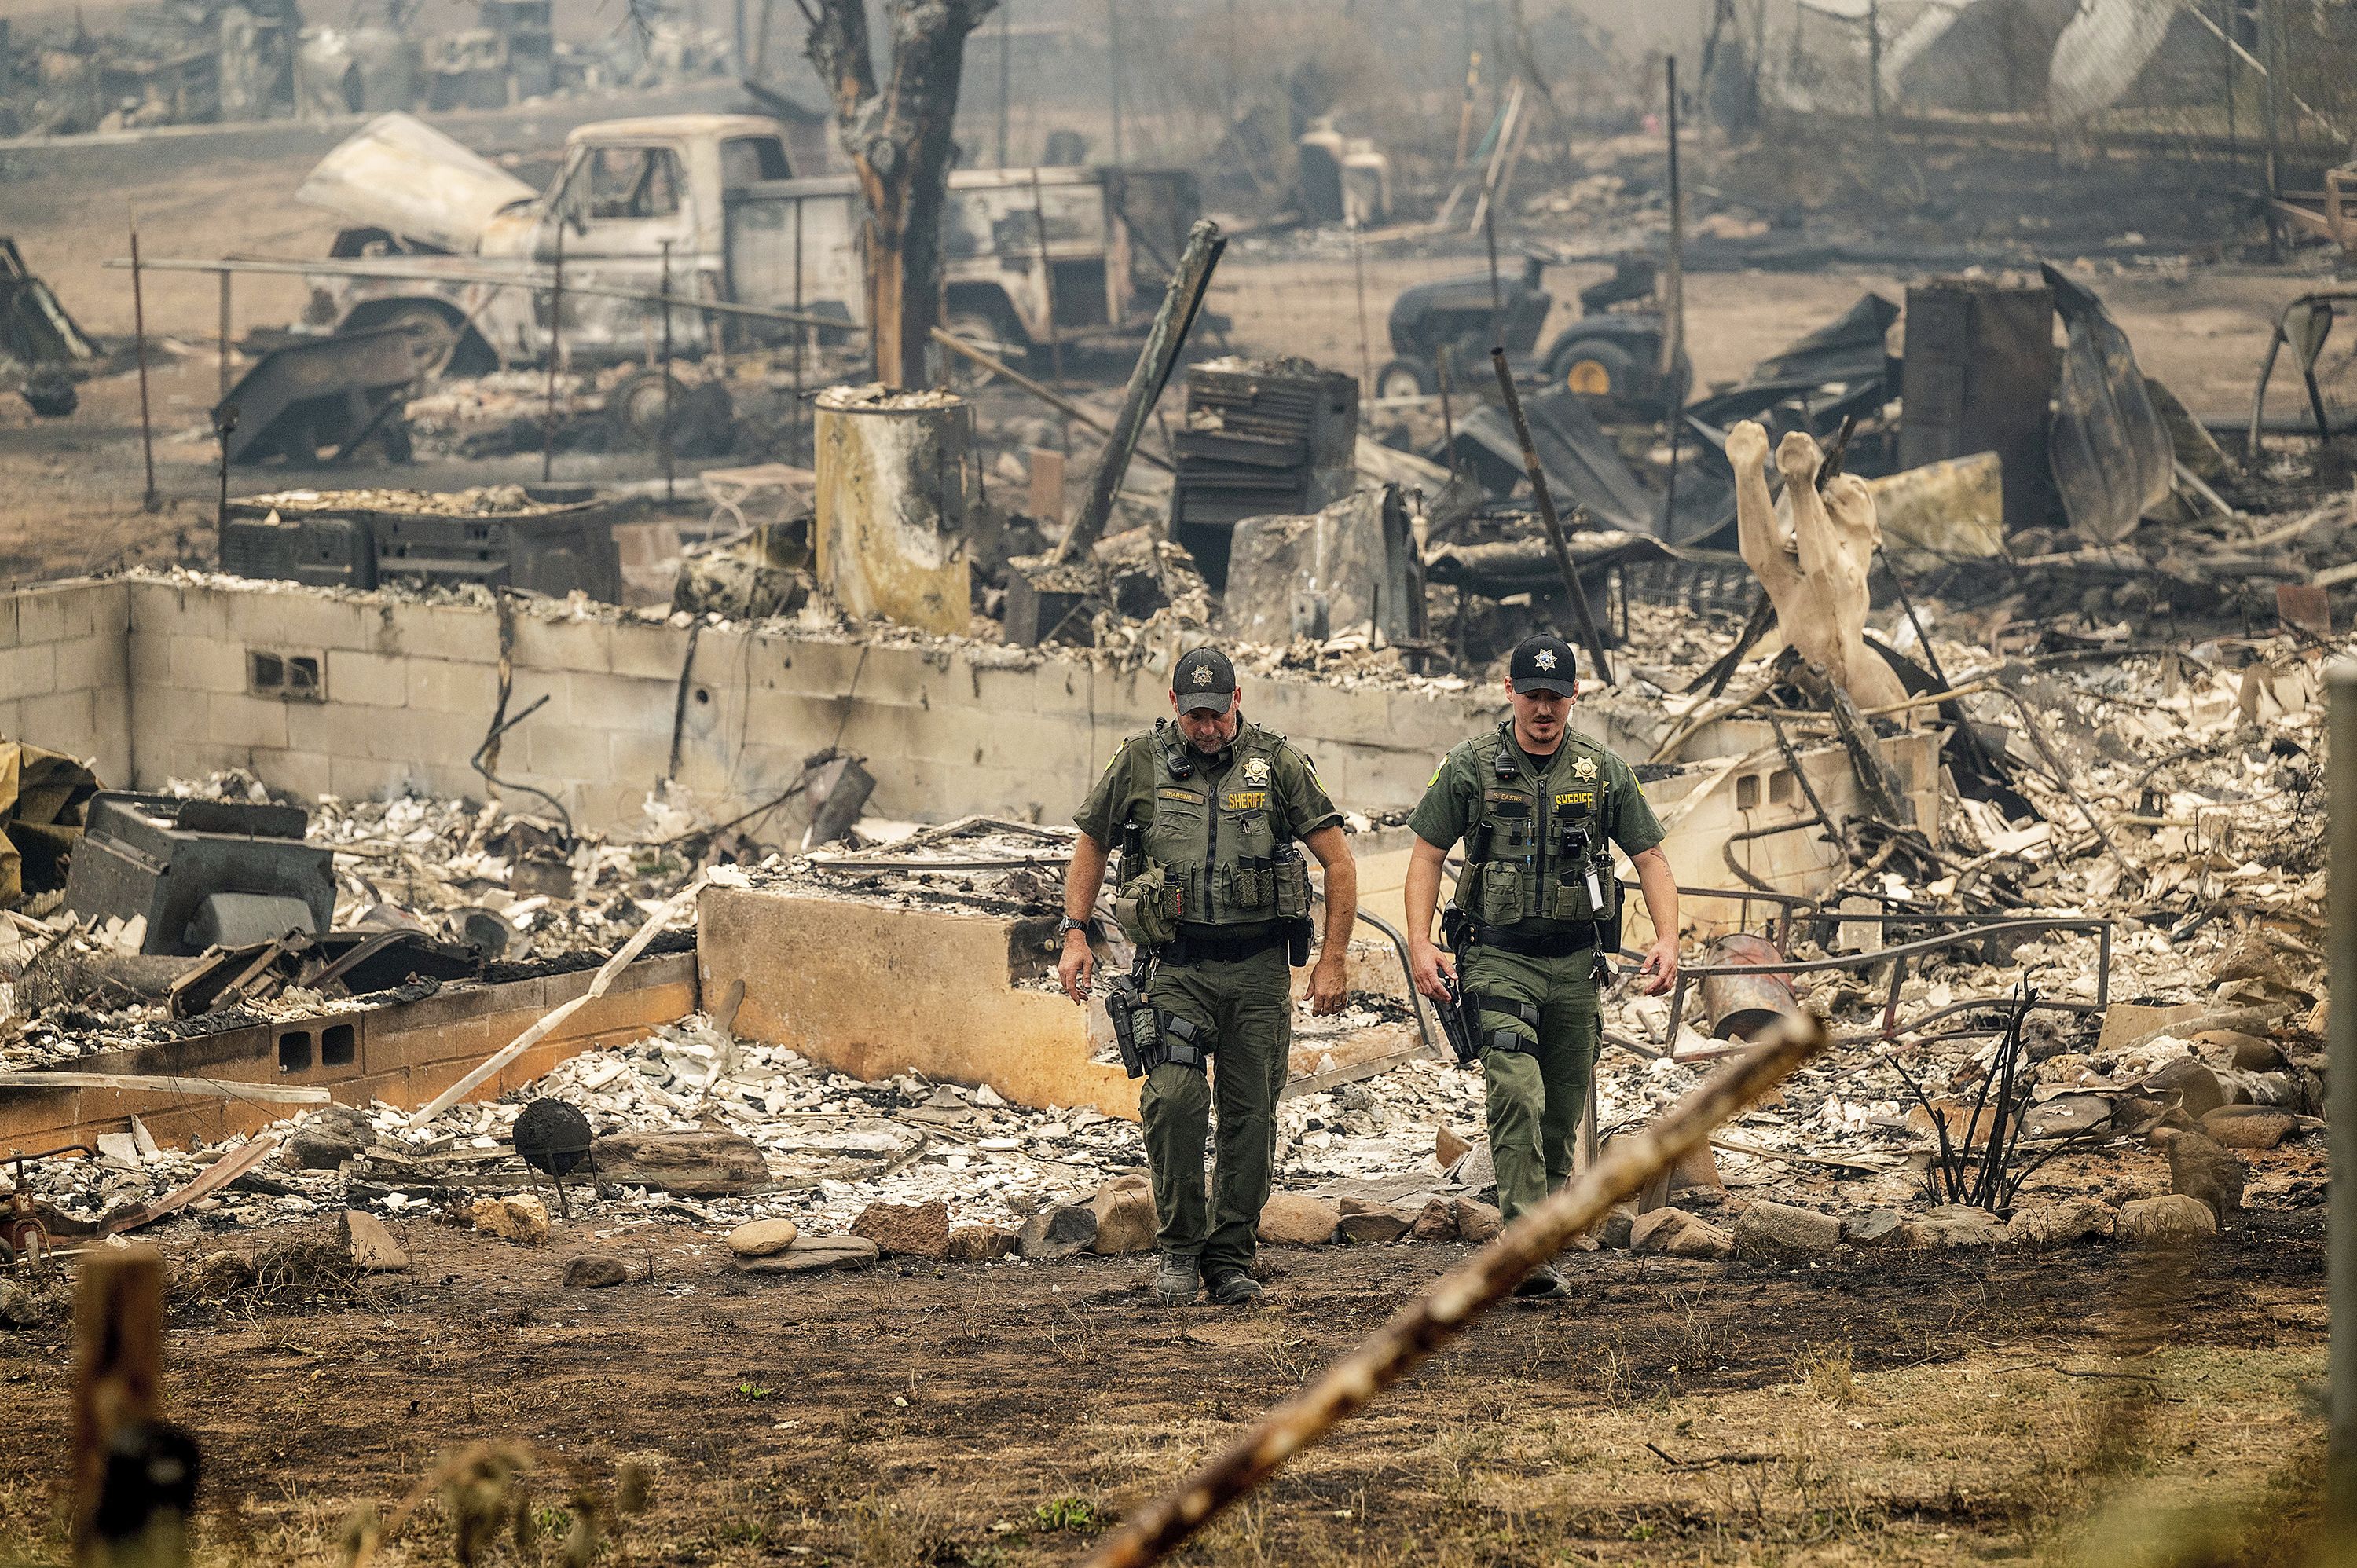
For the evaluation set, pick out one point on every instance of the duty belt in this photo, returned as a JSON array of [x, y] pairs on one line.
[[1194, 946], [1532, 944]]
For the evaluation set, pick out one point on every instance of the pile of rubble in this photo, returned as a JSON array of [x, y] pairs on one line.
[[691, 1124], [508, 892]]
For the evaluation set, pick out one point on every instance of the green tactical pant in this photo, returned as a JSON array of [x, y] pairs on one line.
[[1247, 1007], [1535, 1098]]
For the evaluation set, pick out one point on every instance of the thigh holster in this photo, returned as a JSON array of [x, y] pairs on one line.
[[1177, 1039], [1478, 1003]]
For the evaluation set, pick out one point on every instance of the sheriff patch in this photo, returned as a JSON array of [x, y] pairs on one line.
[[1583, 798], [1244, 799]]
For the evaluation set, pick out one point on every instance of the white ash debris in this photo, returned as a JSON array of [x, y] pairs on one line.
[[1378, 1127], [481, 501], [432, 856]]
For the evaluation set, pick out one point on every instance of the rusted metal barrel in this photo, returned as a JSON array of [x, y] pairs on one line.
[[1742, 1007], [897, 483]]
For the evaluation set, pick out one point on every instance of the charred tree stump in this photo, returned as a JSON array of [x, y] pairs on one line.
[[896, 131]]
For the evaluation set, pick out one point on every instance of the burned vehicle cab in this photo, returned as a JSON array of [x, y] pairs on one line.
[[643, 202], [415, 200], [447, 223], [1610, 358], [1108, 238]]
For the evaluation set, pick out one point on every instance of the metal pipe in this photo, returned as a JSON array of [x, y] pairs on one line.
[[1496, 300], [2341, 1091], [224, 337], [2270, 16], [1180, 304], [1447, 414], [1113, 73], [1416, 1002], [1048, 291], [1006, 72], [556, 339], [416, 272], [671, 486], [1925, 944], [802, 331], [150, 500], [1358, 272], [2259, 394], [1674, 312], [1053, 399], [1808, 791]]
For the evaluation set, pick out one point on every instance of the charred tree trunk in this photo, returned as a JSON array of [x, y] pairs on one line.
[[896, 134]]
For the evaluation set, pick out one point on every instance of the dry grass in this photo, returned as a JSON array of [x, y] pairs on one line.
[[2209, 1461]]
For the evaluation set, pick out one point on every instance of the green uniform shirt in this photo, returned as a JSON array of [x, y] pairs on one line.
[[1452, 800], [1125, 793]]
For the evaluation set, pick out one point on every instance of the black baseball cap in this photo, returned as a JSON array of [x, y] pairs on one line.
[[1544, 664], [1203, 679]]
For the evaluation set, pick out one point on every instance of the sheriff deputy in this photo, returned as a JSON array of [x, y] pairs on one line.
[[1536, 913], [1207, 809]]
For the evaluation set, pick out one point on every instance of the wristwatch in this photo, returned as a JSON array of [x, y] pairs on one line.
[[1068, 925]]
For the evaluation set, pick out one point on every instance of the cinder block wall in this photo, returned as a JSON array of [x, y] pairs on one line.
[[406, 692], [65, 682]]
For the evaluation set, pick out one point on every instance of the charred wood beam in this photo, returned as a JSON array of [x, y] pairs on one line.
[[1879, 791], [1180, 304]]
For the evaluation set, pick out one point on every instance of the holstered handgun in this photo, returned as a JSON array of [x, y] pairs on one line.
[[1133, 1029], [1455, 1026]]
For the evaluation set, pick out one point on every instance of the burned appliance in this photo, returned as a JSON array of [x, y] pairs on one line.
[[1262, 438], [201, 873]]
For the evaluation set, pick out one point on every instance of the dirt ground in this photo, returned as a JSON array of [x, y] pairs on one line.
[[1922, 1408]]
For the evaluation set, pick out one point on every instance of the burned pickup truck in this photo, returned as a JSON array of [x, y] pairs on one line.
[[710, 200]]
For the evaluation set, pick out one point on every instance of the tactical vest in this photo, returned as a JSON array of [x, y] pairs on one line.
[[1539, 854], [1211, 862]]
